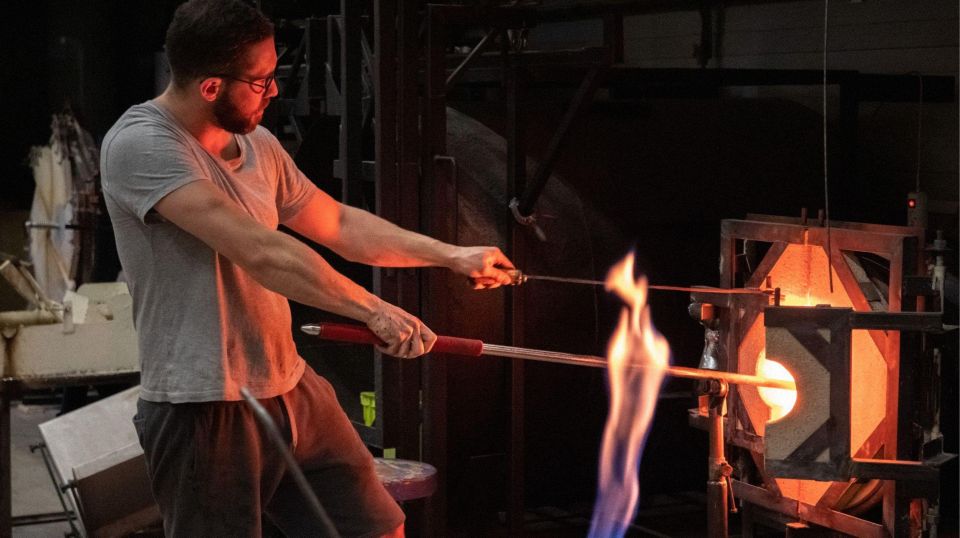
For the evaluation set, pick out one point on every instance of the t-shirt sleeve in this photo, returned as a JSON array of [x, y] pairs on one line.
[[141, 164], [295, 189]]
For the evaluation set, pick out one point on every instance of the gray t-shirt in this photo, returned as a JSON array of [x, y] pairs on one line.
[[206, 328]]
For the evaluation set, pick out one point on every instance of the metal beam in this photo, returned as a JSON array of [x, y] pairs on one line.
[[477, 49], [820, 516], [566, 68], [439, 191], [388, 378], [351, 118], [581, 99], [513, 80], [898, 321], [895, 470]]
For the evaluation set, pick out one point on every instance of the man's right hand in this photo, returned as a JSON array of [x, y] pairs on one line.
[[405, 335]]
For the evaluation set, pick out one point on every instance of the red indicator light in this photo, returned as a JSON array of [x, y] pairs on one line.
[[911, 203]]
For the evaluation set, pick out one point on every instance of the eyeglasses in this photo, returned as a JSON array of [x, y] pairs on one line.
[[255, 87]]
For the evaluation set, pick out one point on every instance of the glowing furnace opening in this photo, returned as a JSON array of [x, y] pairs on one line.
[[780, 401]]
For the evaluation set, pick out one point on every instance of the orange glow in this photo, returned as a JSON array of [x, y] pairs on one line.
[[780, 401], [633, 397], [803, 279], [802, 276]]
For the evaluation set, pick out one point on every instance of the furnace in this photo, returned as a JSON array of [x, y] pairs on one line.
[[854, 434]]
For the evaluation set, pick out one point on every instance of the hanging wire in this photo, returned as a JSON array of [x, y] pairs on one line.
[[826, 177]]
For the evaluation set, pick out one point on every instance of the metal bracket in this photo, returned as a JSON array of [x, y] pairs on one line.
[[929, 322], [528, 220]]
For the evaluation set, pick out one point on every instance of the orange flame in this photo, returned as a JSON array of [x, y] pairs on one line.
[[633, 397], [780, 401]]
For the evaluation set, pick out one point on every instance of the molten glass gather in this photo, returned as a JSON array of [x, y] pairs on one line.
[[633, 397], [780, 401]]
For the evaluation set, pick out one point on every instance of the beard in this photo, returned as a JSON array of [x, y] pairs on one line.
[[230, 118]]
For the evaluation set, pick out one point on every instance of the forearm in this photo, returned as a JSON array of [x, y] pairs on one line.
[[365, 238], [294, 270], [275, 260], [369, 239]]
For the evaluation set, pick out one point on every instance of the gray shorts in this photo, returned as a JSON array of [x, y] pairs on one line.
[[214, 473]]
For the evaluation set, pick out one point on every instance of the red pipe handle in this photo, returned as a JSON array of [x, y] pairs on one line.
[[358, 334]]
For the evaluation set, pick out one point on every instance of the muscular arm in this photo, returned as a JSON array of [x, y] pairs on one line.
[[277, 261], [362, 237], [286, 266]]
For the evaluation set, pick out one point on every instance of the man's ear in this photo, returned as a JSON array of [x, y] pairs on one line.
[[210, 88]]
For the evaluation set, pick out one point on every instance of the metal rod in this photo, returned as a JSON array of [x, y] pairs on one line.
[[514, 84], [477, 49], [519, 277], [581, 100], [718, 473], [67, 515], [351, 115], [313, 503], [599, 362], [469, 347], [44, 519], [20, 284], [16, 318]]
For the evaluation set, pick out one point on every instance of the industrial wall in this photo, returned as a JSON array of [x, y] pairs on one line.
[[888, 37]]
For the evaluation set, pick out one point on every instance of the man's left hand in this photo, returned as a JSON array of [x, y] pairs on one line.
[[486, 266]]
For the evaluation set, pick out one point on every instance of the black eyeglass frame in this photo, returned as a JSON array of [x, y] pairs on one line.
[[256, 87]]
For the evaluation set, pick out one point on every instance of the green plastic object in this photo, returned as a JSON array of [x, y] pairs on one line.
[[368, 400]]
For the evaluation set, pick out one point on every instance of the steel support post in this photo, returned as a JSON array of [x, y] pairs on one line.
[[718, 470], [717, 501], [516, 183], [351, 93], [397, 381], [896, 511], [908, 518], [408, 143], [439, 190]]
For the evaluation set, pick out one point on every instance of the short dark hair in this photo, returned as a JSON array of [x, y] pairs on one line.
[[207, 37]]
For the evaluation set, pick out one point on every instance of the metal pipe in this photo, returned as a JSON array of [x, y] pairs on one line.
[[519, 277], [20, 283], [16, 318], [600, 362], [67, 515], [581, 100], [359, 334], [718, 471], [273, 432], [477, 49]]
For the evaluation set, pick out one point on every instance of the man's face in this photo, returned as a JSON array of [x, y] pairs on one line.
[[239, 106]]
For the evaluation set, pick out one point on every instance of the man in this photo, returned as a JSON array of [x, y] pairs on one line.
[[196, 191]]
